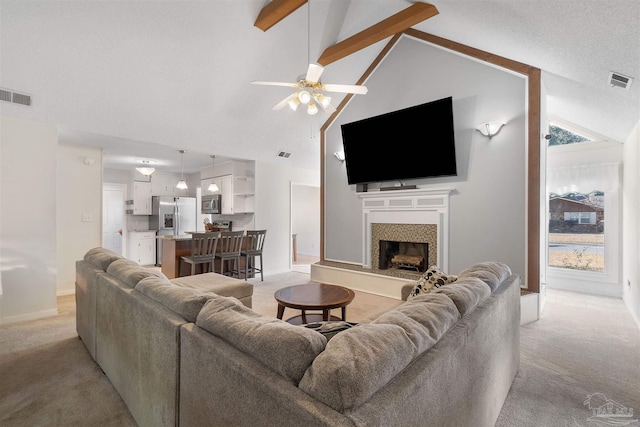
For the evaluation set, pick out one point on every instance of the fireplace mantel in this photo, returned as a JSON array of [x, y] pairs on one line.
[[418, 206]]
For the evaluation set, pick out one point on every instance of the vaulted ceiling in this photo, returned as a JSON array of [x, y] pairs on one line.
[[144, 79]]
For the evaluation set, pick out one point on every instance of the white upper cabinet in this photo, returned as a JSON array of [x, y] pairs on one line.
[[140, 202]]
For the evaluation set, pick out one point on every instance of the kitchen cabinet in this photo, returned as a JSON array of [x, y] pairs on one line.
[[165, 185], [235, 183], [142, 247], [243, 194], [225, 184], [140, 202], [237, 194]]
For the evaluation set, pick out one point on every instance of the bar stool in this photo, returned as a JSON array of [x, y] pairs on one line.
[[252, 250], [229, 250], [203, 251]]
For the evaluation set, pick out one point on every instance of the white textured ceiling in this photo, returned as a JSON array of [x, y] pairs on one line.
[[146, 78]]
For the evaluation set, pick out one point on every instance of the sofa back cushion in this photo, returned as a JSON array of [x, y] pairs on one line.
[[466, 293], [491, 272], [282, 347], [101, 257], [183, 301], [131, 272], [360, 361]]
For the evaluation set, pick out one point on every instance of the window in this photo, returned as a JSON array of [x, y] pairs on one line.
[[562, 136]]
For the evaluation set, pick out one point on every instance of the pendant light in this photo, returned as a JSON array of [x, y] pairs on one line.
[[182, 184], [213, 188]]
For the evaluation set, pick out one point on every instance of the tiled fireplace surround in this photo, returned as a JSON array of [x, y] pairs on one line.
[[419, 215]]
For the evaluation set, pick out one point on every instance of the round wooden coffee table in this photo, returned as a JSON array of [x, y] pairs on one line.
[[320, 296]]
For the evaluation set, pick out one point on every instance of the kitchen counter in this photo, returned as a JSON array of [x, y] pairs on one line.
[[175, 238]]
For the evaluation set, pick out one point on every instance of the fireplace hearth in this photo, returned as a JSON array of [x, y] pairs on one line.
[[403, 255]]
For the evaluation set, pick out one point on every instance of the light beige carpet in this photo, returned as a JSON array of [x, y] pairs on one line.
[[581, 345]]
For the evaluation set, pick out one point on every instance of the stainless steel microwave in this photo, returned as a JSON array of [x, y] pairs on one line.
[[211, 204]]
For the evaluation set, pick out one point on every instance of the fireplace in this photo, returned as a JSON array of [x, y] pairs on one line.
[[414, 216], [412, 256]]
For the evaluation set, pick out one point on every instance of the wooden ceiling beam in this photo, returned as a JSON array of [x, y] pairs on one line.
[[394, 24], [275, 11]]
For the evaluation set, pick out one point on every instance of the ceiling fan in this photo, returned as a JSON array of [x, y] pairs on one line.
[[310, 91]]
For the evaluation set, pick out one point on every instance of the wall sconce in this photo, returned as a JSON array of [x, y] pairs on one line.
[[490, 128], [339, 155]]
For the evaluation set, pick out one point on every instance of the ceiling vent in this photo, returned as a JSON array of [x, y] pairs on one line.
[[619, 80], [15, 97], [283, 154]]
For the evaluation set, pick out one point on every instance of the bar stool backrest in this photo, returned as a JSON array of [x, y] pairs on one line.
[[204, 244], [230, 242], [256, 241]]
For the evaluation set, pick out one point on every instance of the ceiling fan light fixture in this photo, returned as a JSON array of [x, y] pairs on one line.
[[304, 96], [312, 109], [293, 103], [325, 101]]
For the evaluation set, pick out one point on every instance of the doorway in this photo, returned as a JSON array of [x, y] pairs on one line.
[[305, 226], [113, 217]]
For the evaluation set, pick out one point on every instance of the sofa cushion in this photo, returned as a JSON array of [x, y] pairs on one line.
[[431, 279], [466, 293], [101, 257], [359, 361], [282, 347], [491, 272], [183, 301], [131, 272], [216, 283]]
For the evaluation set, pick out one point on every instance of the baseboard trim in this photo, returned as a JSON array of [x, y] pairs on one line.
[[65, 293], [29, 316]]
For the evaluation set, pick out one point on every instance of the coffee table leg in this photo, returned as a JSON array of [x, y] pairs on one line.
[[280, 311], [304, 317], [325, 314], [344, 313]]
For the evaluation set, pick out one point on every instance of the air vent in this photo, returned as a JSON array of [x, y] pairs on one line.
[[619, 80], [15, 97], [283, 154]]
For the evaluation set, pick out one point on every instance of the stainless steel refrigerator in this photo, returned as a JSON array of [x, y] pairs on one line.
[[172, 216]]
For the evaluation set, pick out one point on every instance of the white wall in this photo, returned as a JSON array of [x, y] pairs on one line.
[[487, 213], [79, 206], [305, 218], [631, 224], [28, 261], [273, 209]]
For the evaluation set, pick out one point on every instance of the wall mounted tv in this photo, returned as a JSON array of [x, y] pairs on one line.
[[414, 142]]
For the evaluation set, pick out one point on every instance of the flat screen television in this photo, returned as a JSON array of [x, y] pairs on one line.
[[414, 142]]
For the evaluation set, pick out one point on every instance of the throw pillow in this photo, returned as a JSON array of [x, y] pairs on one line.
[[432, 278]]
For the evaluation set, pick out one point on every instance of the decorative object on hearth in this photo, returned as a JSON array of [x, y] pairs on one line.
[[182, 184]]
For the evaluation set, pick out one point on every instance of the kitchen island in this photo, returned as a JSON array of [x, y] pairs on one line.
[[174, 247]]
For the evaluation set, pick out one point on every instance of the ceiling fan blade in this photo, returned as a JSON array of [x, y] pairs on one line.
[[314, 72], [360, 90], [280, 105], [275, 84], [329, 108]]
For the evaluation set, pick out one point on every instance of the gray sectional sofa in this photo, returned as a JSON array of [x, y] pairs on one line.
[[186, 356]]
